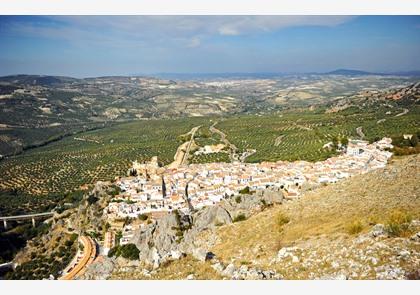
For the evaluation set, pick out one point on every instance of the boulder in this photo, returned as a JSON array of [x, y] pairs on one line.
[[229, 270], [210, 217], [178, 233], [378, 230], [100, 270], [176, 254], [200, 254], [218, 267], [415, 237], [340, 276]]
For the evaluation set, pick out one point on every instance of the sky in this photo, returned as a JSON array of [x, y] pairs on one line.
[[88, 46]]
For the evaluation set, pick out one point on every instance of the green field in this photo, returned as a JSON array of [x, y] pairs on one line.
[[303, 134], [67, 164]]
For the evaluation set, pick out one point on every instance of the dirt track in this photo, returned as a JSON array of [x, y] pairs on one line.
[[181, 155]]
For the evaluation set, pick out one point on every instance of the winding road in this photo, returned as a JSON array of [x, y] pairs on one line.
[[89, 255], [233, 155], [405, 111], [359, 132]]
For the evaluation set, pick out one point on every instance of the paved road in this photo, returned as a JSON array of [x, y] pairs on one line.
[[89, 254]]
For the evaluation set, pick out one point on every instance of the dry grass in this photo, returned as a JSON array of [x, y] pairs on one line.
[[363, 199], [328, 216], [175, 270], [355, 227], [398, 223]]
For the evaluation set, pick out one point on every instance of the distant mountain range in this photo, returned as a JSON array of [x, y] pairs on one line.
[[49, 80], [341, 72], [347, 72]]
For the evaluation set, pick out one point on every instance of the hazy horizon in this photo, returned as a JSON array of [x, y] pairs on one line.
[[92, 46]]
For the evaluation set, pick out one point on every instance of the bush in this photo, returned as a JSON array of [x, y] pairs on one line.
[[143, 217], [245, 191], [355, 227], [414, 140], [238, 199], [282, 219], [264, 205], [398, 223], [239, 217], [113, 251], [128, 251], [92, 199]]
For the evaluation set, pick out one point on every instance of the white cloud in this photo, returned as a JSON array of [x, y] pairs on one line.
[[225, 30], [164, 30], [194, 42]]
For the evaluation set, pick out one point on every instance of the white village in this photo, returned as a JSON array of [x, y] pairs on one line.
[[153, 190]]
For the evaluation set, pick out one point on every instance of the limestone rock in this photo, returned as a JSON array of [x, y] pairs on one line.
[[415, 237], [378, 230], [229, 270], [100, 270], [200, 254]]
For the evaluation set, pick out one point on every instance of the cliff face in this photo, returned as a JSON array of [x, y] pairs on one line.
[[183, 237], [178, 234]]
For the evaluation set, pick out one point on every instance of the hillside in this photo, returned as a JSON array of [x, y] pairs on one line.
[[366, 227], [38, 109], [391, 100]]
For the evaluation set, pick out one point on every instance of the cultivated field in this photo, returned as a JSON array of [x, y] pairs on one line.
[[302, 135], [103, 154], [95, 155]]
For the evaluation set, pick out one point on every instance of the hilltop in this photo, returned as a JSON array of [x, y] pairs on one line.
[[366, 227], [390, 100]]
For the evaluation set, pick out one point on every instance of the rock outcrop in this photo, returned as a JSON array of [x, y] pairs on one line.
[[177, 233]]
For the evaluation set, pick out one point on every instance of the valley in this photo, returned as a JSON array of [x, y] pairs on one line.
[[70, 154]]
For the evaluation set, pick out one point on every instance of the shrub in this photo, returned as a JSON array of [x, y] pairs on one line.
[[128, 251], [92, 199], [245, 191], [68, 243], [398, 223], [113, 251], [73, 237], [143, 217], [265, 205], [218, 223], [238, 199], [239, 217], [282, 219], [355, 227]]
